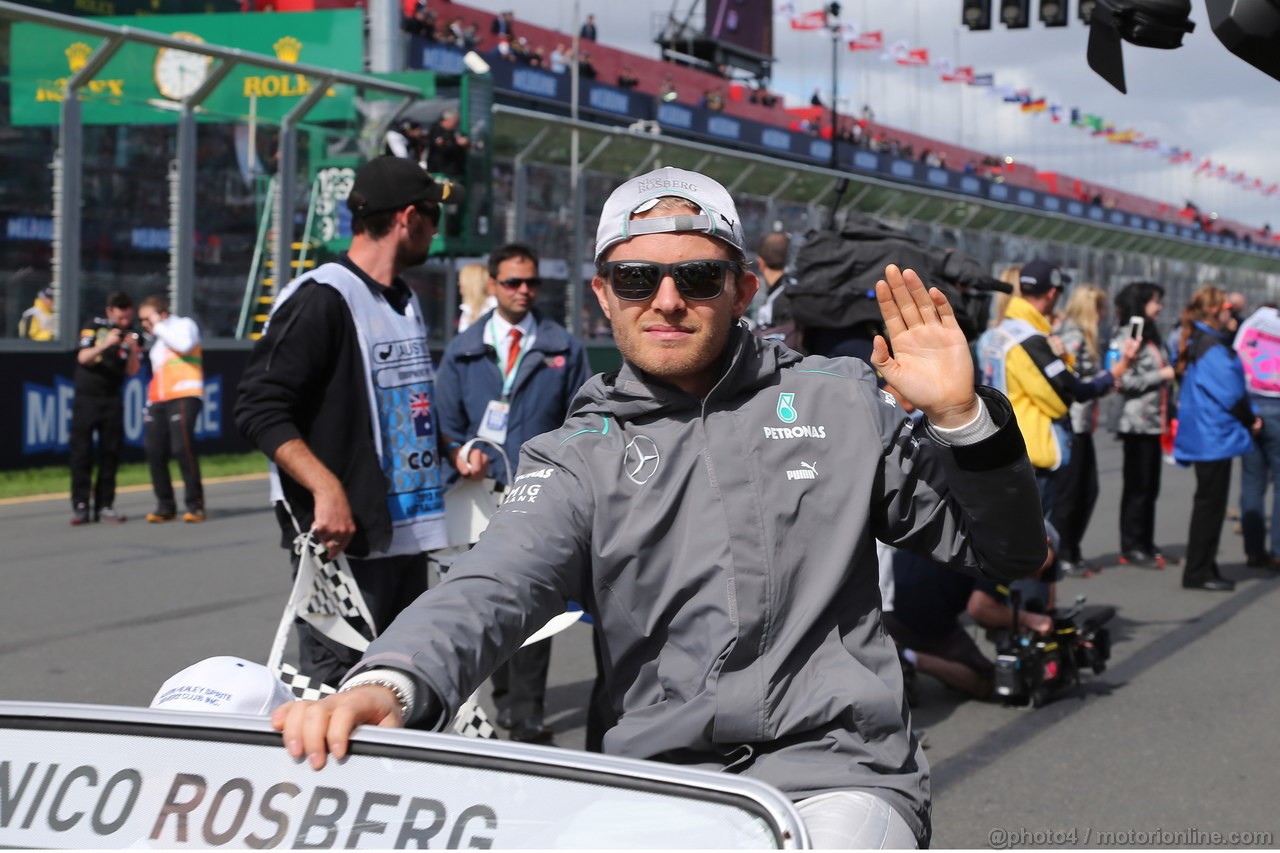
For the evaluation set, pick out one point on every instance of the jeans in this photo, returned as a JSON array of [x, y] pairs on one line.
[[1260, 463]]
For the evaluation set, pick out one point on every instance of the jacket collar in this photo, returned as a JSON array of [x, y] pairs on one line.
[[748, 363], [552, 337], [1020, 309]]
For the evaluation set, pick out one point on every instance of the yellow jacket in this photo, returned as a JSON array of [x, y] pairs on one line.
[[1034, 379]]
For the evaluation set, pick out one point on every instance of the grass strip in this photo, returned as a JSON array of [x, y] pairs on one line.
[[56, 479]]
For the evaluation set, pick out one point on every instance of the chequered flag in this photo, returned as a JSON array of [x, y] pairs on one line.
[[472, 721], [302, 686]]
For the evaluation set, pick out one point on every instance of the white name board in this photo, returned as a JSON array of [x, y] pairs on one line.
[[87, 789]]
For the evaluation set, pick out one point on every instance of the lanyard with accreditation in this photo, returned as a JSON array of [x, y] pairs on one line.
[[493, 425]]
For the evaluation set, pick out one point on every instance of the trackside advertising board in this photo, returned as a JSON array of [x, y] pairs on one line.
[[144, 85], [177, 784]]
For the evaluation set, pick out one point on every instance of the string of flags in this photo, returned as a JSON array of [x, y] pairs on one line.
[[901, 53]]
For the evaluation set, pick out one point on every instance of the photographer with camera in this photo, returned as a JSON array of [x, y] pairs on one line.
[[928, 599], [109, 354]]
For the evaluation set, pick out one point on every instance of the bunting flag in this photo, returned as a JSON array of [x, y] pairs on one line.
[[915, 58], [815, 20], [902, 54], [785, 9], [894, 51], [868, 41]]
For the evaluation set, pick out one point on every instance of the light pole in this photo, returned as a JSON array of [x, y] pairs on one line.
[[832, 11], [573, 310]]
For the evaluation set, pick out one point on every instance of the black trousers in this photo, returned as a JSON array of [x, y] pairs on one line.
[[170, 433], [1142, 461], [388, 585], [1208, 511], [103, 416], [1077, 493], [520, 685]]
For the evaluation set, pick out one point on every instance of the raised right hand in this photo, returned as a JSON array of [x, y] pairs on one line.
[[319, 729]]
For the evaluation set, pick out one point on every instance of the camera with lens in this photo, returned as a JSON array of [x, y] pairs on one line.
[[1033, 669], [1248, 28]]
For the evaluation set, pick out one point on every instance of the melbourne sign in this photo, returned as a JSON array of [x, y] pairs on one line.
[[143, 84]]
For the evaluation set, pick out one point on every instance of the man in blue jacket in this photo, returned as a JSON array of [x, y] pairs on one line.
[[509, 377]]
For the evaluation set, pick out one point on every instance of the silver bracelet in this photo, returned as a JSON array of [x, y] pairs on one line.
[[402, 698]]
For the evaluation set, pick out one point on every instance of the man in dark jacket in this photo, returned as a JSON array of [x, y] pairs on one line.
[[446, 148], [715, 504], [509, 377], [362, 478], [108, 355]]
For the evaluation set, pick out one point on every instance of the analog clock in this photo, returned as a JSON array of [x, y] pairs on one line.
[[178, 73]]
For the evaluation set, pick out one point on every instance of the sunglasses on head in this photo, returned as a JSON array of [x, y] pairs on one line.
[[637, 281], [430, 210], [514, 283]]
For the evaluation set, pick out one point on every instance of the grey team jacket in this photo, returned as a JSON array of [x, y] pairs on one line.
[[727, 551]]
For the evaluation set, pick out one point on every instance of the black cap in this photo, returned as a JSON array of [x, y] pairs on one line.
[[391, 183], [1039, 276]]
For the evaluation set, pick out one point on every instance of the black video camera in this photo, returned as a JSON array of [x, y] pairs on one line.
[[1032, 669]]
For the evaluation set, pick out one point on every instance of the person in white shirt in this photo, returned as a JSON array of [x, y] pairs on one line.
[[174, 399]]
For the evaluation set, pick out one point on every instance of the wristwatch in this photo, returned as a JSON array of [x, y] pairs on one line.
[[402, 695]]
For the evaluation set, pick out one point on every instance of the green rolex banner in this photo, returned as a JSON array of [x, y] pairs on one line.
[[144, 85]]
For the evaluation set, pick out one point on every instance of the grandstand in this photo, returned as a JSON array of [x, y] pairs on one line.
[[997, 211]]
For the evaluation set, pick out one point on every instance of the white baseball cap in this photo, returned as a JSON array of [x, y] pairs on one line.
[[719, 217], [223, 685]]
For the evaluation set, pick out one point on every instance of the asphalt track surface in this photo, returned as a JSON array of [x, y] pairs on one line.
[[1180, 735]]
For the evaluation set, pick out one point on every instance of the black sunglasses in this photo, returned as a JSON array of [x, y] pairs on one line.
[[637, 281], [430, 211], [514, 283]]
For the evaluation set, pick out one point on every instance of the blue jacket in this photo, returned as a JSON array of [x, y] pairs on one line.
[[1214, 414], [547, 380]]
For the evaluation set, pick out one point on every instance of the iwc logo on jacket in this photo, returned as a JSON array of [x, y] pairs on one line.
[[641, 460]]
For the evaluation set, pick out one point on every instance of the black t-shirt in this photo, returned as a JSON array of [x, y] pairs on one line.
[[105, 376]]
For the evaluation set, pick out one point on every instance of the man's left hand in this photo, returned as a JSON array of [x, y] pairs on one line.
[[931, 365]]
